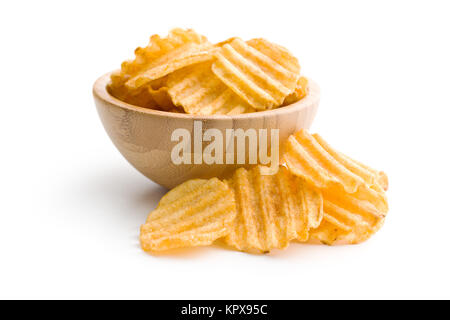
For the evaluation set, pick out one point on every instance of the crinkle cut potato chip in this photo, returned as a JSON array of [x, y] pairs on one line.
[[196, 213], [299, 93], [162, 98], [260, 72], [198, 91], [161, 57], [311, 157], [349, 218], [244, 77], [355, 203], [380, 176], [272, 210], [144, 97], [180, 49]]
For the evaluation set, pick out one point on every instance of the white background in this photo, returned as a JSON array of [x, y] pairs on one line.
[[71, 206]]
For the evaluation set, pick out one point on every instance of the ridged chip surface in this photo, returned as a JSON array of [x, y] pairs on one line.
[[301, 90], [311, 157], [174, 53], [196, 213], [161, 57], [198, 91], [260, 72], [350, 218], [272, 210]]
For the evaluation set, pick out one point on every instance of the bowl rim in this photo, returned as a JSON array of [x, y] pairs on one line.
[[100, 91]]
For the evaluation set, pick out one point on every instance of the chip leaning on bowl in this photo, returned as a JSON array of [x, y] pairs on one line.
[[185, 73]]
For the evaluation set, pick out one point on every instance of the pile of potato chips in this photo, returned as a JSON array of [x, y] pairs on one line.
[[318, 194], [186, 73]]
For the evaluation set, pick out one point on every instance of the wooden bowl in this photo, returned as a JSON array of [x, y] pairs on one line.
[[143, 136]]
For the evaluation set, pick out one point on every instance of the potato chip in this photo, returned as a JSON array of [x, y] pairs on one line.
[[142, 98], [162, 98], [146, 97], [272, 210], [309, 156], [161, 57], [261, 73], [383, 179], [198, 91], [299, 93], [380, 176], [224, 42], [349, 218], [140, 82], [195, 213]]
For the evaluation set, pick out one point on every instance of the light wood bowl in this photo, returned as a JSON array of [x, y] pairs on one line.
[[143, 136]]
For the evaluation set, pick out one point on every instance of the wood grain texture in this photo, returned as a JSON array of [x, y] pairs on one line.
[[143, 136]]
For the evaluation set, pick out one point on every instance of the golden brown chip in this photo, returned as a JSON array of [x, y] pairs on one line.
[[349, 218], [140, 82], [198, 91], [146, 97], [310, 157], [196, 213], [380, 177], [272, 210], [261, 73], [142, 98], [162, 56], [299, 93], [180, 49], [162, 98], [222, 43]]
